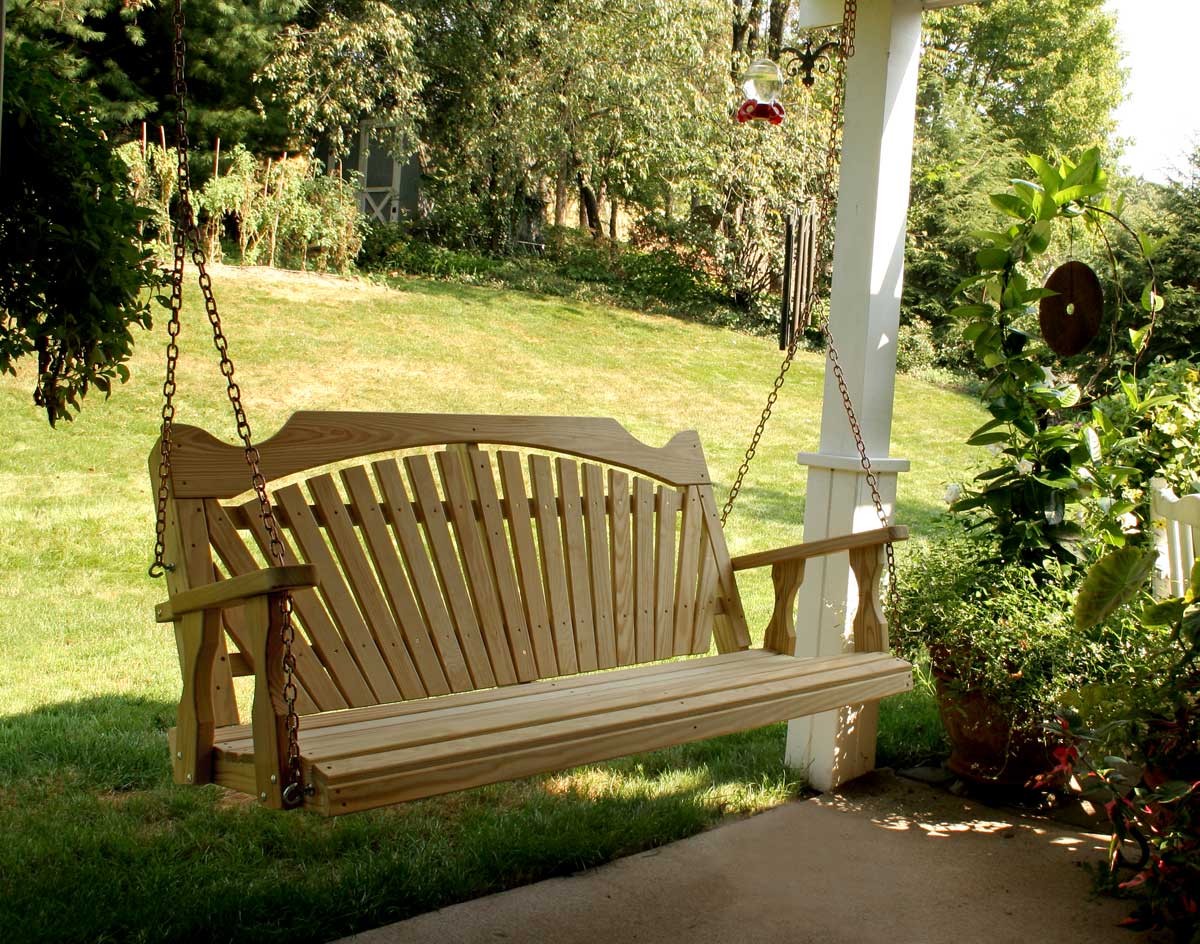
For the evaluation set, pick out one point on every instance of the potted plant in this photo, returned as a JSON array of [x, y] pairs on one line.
[[1001, 650], [993, 612]]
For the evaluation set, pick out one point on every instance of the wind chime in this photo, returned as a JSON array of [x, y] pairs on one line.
[[762, 83]]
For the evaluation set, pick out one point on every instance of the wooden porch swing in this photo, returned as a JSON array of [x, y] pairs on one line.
[[418, 595]]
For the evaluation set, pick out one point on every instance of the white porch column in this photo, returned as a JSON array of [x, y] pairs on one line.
[[868, 271]]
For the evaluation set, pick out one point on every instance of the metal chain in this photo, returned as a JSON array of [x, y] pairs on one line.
[[186, 231], [826, 202]]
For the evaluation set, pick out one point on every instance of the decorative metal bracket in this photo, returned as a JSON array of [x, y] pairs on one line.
[[803, 63]]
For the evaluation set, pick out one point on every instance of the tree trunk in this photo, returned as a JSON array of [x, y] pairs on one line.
[[589, 211], [560, 197], [779, 13]]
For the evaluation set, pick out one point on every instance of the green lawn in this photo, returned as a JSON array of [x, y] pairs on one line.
[[99, 846]]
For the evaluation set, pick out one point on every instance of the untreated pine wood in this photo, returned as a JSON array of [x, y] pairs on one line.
[[666, 507], [454, 586], [335, 659], [576, 556], [236, 590], [826, 546], [338, 600], [691, 533], [643, 568], [204, 467], [269, 713], [595, 515], [395, 581], [187, 545], [528, 565], [478, 570], [192, 741], [621, 568], [554, 566], [352, 784], [364, 585], [501, 561], [400, 515]]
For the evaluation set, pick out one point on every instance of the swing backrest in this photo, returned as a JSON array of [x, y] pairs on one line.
[[464, 552]]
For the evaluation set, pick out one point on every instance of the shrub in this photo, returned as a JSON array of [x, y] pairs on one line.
[[73, 268]]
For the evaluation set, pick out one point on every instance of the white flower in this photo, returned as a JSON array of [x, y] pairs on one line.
[[1024, 467], [995, 449], [953, 493], [1128, 523]]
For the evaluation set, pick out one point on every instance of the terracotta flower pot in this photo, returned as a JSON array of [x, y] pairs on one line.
[[986, 747]]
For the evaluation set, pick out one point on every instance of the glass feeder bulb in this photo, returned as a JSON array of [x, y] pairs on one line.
[[763, 81]]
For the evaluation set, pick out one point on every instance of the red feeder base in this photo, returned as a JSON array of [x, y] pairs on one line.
[[760, 111]]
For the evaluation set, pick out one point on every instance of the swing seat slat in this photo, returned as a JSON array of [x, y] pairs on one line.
[[449, 589]]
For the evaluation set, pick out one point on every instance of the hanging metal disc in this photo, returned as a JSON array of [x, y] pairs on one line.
[[1071, 319]]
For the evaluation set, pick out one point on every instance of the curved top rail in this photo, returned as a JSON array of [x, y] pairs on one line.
[[205, 467]]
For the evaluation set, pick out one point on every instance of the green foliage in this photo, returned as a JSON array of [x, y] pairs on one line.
[[1047, 460], [287, 211], [1159, 806], [122, 50], [74, 272], [356, 60], [990, 627], [1047, 75]]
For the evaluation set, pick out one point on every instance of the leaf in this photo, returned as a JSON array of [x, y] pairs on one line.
[[1050, 178], [987, 439], [1193, 590], [971, 311], [1011, 205], [1151, 300], [1137, 337], [991, 258], [1093, 445], [1163, 614], [1111, 582], [1039, 236], [975, 329]]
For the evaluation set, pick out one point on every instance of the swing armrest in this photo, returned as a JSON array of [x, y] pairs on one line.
[[236, 590], [800, 552]]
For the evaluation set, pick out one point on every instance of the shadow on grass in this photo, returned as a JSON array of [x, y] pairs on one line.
[[98, 845]]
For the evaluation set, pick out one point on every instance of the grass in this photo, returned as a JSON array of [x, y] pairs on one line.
[[99, 846]]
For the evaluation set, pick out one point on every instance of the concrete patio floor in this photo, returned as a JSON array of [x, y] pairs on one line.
[[885, 860]]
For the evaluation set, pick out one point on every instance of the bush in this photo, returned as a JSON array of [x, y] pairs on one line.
[[73, 267], [915, 351]]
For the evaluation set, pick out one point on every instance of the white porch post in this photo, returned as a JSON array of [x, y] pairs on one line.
[[868, 271]]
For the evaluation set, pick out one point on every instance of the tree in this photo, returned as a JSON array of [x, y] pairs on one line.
[[123, 50], [1046, 74], [73, 272]]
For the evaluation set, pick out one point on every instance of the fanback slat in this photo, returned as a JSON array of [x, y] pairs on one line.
[[315, 678], [500, 555], [666, 507], [365, 586], [481, 583], [528, 566], [595, 513], [575, 552], [338, 599], [491, 569], [334, 649], [554, 566], [454, 585], [691, 534], [621, 559], [399, 512], [643, 567], [395, 582]]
